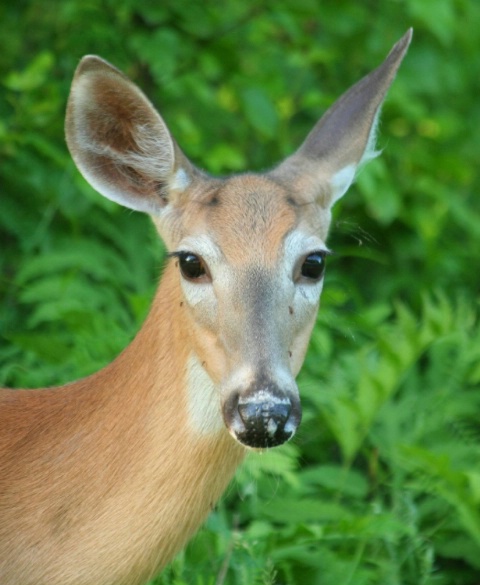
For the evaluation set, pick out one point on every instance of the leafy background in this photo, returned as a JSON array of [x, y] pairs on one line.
[[382, 483]]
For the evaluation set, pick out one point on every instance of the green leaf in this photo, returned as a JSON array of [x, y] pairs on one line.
[[260, 111], [33, 76]]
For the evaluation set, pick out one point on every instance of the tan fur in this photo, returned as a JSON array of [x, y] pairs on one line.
[[103, 480], [107, 503]]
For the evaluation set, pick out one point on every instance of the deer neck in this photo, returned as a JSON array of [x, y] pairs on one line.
[[137, 471], [179, 451]]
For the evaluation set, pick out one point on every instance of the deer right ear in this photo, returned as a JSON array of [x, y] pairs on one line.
[[344, 138], [119, 142]]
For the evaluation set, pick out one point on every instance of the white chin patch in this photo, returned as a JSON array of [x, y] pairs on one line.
[[204, 411]]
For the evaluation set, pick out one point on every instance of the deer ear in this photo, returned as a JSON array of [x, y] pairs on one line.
[[119, 142], [325, 165]]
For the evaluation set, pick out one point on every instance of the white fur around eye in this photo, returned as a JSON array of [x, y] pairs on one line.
[[298, 245], [200, 295], [305, 293]]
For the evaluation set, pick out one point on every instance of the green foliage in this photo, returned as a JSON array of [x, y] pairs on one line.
[[382, 483]]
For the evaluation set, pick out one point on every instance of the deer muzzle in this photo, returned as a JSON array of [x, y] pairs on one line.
[[263, 416]]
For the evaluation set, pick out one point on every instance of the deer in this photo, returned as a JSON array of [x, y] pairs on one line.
[[103, 480]]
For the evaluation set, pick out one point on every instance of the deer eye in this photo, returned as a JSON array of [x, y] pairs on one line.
[[313, 266], [191, 266]]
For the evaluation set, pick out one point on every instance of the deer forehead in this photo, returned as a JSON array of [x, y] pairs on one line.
[[247, 219]]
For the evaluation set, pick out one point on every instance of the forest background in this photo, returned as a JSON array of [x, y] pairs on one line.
[[382, 483]]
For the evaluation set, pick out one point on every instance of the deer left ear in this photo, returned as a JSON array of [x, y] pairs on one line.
[[120, 143], [324, 166]]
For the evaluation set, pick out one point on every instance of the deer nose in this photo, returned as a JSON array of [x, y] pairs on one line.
[[262, 419], [269, 416]]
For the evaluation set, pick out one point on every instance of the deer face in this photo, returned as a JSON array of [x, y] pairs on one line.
[[250, 249], [251, 261]]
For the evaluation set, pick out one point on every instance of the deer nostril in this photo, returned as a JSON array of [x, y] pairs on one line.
[[265, 413]]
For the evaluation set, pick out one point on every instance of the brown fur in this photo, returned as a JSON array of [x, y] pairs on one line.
[[111, 494]]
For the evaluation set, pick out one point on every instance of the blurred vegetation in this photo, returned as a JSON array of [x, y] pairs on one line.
[[382, 484]]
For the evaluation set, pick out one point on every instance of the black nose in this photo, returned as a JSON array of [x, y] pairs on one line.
[[271, 415], [262, 419]]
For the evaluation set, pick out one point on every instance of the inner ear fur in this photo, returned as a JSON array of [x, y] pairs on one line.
[[119, 142]]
